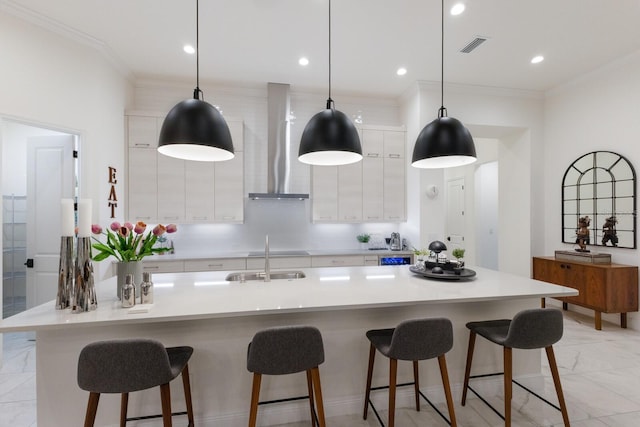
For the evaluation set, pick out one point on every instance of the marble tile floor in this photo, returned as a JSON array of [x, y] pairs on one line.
[[600, 374]]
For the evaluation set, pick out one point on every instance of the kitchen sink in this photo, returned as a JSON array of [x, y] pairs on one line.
[[242, 276]]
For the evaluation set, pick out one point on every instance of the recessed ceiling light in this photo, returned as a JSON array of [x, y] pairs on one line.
[[401, 71], [303, 61], [457, 9], [189, 49], [537, 59]]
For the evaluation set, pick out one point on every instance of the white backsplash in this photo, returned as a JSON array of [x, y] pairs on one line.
[[288, 224]]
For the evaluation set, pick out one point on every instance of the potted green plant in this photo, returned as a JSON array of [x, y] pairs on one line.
[[458, 254], [363, 239]]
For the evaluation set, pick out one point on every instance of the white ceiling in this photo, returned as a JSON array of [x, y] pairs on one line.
[[259, 41]]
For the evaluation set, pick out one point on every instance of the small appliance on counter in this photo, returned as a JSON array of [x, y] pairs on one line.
[[395, 244]]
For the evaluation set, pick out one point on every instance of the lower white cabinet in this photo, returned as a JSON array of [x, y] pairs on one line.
[[174, 266], [257, 263], [337, 261], [215, 264]]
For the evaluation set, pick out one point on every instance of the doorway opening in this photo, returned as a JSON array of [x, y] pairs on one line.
[[39, 168]]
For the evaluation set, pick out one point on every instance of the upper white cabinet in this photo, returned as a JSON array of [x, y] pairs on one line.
[[166, 190], [373, 190]]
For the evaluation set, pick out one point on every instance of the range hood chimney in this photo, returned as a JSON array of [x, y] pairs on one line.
[[278, 145]]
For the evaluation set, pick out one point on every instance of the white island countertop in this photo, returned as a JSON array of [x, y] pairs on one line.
[[206, 295]]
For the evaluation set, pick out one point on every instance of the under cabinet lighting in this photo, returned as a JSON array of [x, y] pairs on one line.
[[334, 278], [220, 282], [381, 276], [163, 285], [457, 9]]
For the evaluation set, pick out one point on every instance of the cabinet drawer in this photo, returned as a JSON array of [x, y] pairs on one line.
[[279, 262], [337, 261], [371, 260], [215, 264], [163, 266]]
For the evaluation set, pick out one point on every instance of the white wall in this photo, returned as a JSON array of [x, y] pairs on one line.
[[55, 81], [598, 111], [516, 119]]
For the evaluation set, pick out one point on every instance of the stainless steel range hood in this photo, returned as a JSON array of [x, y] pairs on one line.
[[278, 145]]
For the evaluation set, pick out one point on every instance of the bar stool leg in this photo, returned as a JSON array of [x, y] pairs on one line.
[[447, 389], [467, 369], [372, 356], [255, 395], [508, 376], [416, 384], [92, 409], [315, 377], [393, 371], [124, 404], [310, 392], [556, 381], [186, 384], [165, 396]]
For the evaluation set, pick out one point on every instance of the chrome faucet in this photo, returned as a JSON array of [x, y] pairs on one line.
[[267, 268]]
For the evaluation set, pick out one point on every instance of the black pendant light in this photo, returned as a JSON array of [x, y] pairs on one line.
[[195, 129], [444, 142], [330, 138]]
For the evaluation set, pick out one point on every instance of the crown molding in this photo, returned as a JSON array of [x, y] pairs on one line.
[[480, 90], [57, 27]]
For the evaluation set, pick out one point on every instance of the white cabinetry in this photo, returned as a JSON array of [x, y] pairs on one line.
[[324, 193], [257, 263], [164, 189], [337, 261], [373, 190]]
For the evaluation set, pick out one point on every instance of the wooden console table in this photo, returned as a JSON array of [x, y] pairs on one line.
[[605, 288]]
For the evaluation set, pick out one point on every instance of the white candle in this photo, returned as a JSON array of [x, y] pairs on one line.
[[84, 218], [67, 218]]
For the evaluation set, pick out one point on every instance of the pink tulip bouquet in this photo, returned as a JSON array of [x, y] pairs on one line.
[[127, 242]]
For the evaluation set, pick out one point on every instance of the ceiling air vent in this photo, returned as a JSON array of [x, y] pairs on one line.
[[474, 44]]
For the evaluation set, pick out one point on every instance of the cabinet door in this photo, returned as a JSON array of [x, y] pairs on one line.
[[350, 192], [394, 189], [171, 188], [199, 191], [143, 188], [163, 266], [229, 190], [337, 261], [324, 193], [372, 188], [143, 131], [372, 143], [394, 144], [215, 264]]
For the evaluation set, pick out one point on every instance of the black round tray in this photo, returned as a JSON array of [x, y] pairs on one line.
[[465, 274]]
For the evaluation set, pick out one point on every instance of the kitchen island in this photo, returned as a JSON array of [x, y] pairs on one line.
[[218, 318]]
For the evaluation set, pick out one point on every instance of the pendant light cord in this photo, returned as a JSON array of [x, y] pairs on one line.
[[197, 92], [329, 101], [442, 112]]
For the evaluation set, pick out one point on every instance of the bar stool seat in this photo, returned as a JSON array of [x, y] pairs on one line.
[[125, 366], [282, 351], [414, 340], [530, 329]]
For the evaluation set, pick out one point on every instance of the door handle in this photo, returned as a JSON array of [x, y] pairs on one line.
[[29, 263]]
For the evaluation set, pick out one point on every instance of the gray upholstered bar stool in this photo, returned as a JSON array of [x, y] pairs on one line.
[[125, 366], [414, 340], [287, 350], [529, 329]]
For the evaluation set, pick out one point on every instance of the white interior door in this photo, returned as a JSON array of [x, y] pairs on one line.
[[455, 213], [50, 177]]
